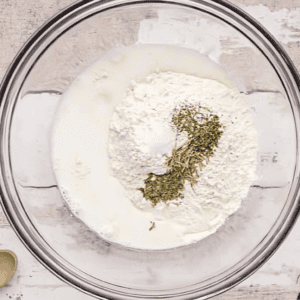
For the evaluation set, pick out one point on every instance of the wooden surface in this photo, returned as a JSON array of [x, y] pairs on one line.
[[278, 279]]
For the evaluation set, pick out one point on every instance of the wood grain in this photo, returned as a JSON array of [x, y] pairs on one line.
[[277, 279]]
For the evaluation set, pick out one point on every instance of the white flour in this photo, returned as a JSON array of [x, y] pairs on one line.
[[142, 135], [107, 138]]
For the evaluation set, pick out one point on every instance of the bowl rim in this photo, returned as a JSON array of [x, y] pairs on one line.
[[16, 218]]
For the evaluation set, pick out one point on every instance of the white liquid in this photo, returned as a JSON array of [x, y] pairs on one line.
[[80, 141]]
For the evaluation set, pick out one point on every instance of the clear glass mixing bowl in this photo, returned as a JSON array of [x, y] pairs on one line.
[[61, 50]]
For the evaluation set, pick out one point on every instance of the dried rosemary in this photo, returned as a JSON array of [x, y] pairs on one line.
[[153, 226], [203, 136]]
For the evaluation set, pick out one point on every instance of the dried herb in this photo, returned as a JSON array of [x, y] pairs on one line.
[[153, 225], [204, 132]]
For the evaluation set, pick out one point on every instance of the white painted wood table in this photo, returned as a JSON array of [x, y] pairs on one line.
[[278, 279]]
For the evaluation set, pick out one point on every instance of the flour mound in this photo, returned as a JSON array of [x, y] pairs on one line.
[[142, 136]]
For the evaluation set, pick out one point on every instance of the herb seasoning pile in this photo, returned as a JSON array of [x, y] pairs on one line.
[[204, 132]]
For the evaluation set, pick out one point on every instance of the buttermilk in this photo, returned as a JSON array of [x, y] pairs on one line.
[[115, 127]]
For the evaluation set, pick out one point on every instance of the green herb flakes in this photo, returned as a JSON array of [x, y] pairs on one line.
[[153, 226], [204, 132]]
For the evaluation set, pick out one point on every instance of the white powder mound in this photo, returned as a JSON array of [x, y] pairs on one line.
[[142, 136]]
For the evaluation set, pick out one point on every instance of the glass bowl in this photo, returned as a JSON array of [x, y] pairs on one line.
[[31, 91]]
